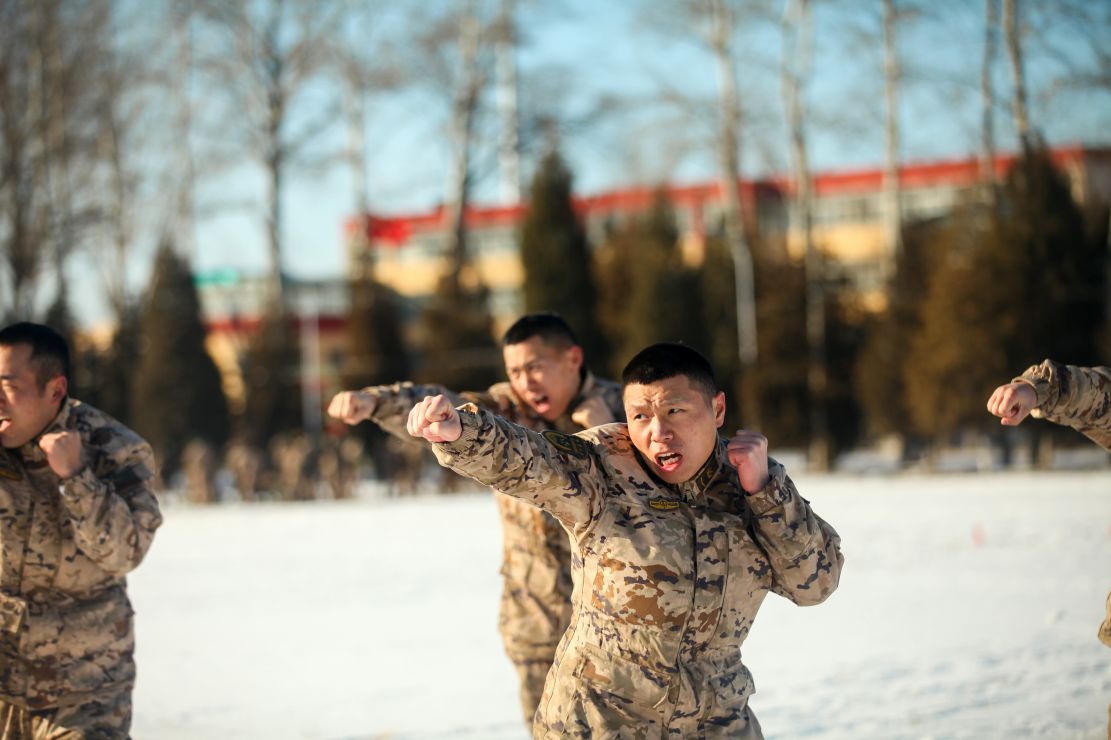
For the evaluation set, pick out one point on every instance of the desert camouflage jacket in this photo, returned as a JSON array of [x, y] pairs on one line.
[[65, 548], [1079, 397], [668, 578]]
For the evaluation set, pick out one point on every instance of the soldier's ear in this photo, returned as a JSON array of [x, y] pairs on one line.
[[575, 353], [718, 405], [56, 388]]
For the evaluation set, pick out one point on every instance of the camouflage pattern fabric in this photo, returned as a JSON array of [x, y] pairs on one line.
[[667, 578], [536, 562], [66, 637], [1078, 397], [106, 718]]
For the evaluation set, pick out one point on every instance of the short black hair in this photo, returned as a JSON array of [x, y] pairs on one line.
[[49, 351], [668, 360], [550, 327]]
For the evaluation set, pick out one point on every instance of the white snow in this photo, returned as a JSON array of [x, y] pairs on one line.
[[968, 608]]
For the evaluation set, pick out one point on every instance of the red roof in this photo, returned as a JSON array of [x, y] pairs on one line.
[[396, 230]]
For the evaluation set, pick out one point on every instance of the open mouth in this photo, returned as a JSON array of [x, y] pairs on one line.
[[539, 402], [668, 461], [5, 422]]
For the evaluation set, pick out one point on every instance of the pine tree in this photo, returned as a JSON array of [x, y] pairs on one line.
[[376, 350], [457, 336], [557, 260], [271, 384], [1008, 290], [176, 393], [663, 302], [878, 376]]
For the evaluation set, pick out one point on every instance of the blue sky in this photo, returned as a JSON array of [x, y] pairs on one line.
[[578, 50]]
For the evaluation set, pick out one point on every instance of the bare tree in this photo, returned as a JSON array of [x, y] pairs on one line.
[[736, 218], [795, 72], [264, 58], [1011, 33], [509, 150], [892, 191], [987, 102], [51, 53]]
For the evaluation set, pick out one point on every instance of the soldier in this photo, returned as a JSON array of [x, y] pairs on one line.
[[76, 515], [678, 536], [549, 388], [1079, 397]]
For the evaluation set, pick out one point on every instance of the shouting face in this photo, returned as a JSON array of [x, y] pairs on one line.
[[673, 425], [544, 376]]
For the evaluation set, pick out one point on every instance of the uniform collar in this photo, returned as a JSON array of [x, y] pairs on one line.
[[700, 483], [30, 451]]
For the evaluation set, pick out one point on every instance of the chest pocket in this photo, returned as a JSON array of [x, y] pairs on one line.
[[643, 573]]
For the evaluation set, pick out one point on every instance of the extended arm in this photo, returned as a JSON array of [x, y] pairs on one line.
[[1079, 397], [556, 472], [387, 406]]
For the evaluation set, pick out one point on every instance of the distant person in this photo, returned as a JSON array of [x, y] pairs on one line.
[[549, 388], [76, 515], [1078, 397], [678, 536]]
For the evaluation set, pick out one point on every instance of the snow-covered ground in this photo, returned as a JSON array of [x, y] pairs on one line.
[[968, 608]]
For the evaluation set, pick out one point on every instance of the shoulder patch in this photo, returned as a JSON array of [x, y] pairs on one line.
[[566, 443]]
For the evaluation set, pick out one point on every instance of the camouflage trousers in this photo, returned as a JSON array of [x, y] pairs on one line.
[[105, 717], [533, 616]]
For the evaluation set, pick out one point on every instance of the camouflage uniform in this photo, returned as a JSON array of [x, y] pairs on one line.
[[1079, 397], [667, 578], [66, 641], [536, 560]]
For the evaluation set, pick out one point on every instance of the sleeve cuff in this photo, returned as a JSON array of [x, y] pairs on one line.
[[471, 421], [1043, 379], [773, 495]]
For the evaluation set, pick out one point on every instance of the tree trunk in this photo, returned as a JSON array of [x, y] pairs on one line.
[[796, 56], [987, 106], [729, 161], [506, 60], [462, 126], [1014, 51], [892, 195]]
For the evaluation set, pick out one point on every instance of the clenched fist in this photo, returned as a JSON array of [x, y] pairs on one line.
[[435, 419], [748, 453], [1013, 402], [351, 407], [63, 452]]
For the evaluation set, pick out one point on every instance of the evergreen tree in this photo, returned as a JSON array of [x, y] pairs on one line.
[[780, 372], [271, 382], [878, 376], [556, 258], [1006, 292], [376, 350], [111, 373], [614, 281], [457, 336], [176, 393], [663, 302], [719, 317], [968, 319]]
